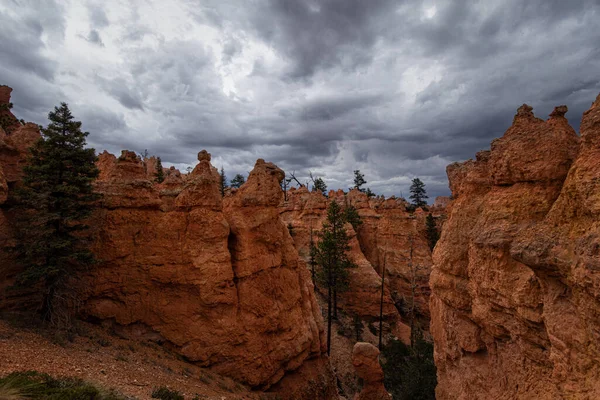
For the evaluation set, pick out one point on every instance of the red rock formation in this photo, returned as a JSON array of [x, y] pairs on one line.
[[514, 289], [365, 358], [9, 121], [387, 231], [224, 288]]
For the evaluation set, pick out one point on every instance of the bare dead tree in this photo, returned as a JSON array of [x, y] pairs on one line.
[[293, 177]]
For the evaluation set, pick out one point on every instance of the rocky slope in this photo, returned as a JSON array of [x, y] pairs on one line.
[[515, 294]]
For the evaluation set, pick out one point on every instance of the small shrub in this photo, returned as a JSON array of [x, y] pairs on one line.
[[165, 393], [35, 385]]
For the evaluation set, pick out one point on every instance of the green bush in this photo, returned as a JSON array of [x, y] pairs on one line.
[[35, 385], [165, 393], [410, 371]]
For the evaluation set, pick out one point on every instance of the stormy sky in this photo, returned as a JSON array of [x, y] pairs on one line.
[[397, 89]]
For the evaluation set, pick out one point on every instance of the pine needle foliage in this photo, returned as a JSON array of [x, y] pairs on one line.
[[331, 254], [418, 194], [223, 182], [238, 180], [431, 231], [53, 204], [160, 174]]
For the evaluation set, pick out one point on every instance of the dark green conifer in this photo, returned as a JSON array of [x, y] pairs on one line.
[[331, 254], [55, 200], [418, 194], [160, 174], [431, 231], [238, 181]]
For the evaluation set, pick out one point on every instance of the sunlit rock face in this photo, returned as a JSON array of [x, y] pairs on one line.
[[515, 298]]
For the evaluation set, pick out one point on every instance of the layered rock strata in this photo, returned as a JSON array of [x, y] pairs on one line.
[[515, 300], [223, 286], [365, 359]]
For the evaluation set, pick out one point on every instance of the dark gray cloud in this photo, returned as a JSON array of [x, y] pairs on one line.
[[94, 37], [395, 89]]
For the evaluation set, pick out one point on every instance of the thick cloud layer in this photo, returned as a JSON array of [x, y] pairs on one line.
[[395, 89]]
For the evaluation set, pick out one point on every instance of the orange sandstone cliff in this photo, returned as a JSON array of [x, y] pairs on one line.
[[221, 285], [515, 300], [216, 280], [389, 233]]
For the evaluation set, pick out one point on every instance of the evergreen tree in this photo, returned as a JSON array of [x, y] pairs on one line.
[[160, 175], [238, 181], [223, 182], [7, 121], [370, 193], [320, 186], [359, 180], [418, 194], [54, 202], [431, 231], [351, 215], [331, 254]]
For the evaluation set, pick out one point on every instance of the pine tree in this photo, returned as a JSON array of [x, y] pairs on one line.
[[331, 254], [160, 175], [359, 180], [7, 120], [351, 215], [320, 186], [55, 200], [418, 194], [431, 231], [238, 181], [223, 182]]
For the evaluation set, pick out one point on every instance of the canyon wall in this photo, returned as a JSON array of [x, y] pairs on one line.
[[515, 285], [216, 280], [389, 235]]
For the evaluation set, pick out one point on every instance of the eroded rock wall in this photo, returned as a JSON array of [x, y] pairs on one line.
[[220, 284], [515, 300], [389, 234]]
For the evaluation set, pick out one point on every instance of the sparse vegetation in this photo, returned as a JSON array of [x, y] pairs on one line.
[[431, 231], [160, 175], [410, 372], [418, 194], [359, 180], [238, 181], [223, 183], [6, 121], [35, 385], [164, 393], [331, 254]]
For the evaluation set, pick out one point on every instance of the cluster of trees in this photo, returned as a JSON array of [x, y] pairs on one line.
[[237, 181]]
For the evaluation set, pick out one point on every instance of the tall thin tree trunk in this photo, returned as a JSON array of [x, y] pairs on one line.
[[329, 311], [335, 307], [381, 304]]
